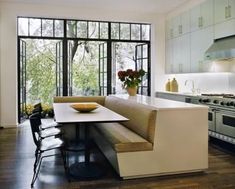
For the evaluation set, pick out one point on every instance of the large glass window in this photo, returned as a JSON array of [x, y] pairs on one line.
[[78, 57], [39, 27]]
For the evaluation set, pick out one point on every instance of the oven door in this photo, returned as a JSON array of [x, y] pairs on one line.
[[211, 119], [225, 122]]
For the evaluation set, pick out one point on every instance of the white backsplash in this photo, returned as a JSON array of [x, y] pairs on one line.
[[205, 82]]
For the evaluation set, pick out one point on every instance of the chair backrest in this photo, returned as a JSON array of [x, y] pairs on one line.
[[37, 108], [35, 122]]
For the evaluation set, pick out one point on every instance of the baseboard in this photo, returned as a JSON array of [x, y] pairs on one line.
[[198, 171]]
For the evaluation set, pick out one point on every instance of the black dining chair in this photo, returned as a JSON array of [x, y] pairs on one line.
[[44, 133], [38, 109], [44, 144]]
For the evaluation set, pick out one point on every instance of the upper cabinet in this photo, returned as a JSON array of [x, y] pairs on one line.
[[181, 24], [224, 10], [191, 33], [178, 25], [224, 18], [181, 54], [200, 41], [169, 29], [201, 16]]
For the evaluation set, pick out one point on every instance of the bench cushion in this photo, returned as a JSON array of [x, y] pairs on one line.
[[142, 118], [123, 139], [70, 99]]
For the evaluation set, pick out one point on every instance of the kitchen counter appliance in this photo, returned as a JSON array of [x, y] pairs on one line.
[[221, 114]]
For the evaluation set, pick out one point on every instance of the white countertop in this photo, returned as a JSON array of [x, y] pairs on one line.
[[159, 103]]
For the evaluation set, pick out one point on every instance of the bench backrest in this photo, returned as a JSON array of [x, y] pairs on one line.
[[70, 99], [142, 118]]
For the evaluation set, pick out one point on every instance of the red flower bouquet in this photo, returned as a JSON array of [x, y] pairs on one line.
[[131, 78]]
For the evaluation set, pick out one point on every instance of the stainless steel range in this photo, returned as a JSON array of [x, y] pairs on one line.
[[221, 114]]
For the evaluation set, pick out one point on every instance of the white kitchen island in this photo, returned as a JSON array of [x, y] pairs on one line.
[[180, 142]]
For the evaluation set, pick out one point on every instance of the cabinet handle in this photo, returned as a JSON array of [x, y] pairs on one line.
[[226, 12], [180, 29], [200, 66], [180, 68], [199, 22], [171, 33], [229, 11], [171, 68]]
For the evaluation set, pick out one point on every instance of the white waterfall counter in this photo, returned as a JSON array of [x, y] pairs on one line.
[[180, 140], [159, 103]]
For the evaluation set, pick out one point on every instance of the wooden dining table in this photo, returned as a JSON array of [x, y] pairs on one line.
[[65, 114]]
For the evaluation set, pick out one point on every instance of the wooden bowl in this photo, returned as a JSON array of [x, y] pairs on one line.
[[85, 106]]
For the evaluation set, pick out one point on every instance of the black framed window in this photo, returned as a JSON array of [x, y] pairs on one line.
[[91, 36]]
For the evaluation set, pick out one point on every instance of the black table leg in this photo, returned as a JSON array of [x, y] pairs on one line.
[[86, 169]]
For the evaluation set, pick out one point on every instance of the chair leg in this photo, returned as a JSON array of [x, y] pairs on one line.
[[66, 168], [36, 167]]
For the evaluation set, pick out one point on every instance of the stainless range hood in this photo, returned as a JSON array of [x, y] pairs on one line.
[[221, 49]]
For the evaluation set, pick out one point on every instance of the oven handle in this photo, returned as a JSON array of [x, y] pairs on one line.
[[225, 112], [214, 110]]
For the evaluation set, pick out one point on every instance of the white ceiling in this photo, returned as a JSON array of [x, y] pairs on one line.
[[150, 6]]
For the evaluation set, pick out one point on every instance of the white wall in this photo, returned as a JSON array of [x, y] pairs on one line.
[[0, 61], [207, 82], [8, 38]]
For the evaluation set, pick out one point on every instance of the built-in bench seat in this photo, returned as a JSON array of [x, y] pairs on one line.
[[152, 142], [72, 99], [137, 134], [123, 139]]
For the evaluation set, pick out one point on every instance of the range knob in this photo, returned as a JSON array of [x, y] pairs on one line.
[[216, 102], [222, 103], [206, 100], [232, 103], [228, 103], [200, 100]]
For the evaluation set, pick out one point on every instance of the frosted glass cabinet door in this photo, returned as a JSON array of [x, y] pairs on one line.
[[184, 65], [185, 22], [206, 13], [194, 17], [169, 29], [232, 8], [176, 55], [176, 24], [169, 57], [201, 40], [221, 10], [202, 15], [181, 54]]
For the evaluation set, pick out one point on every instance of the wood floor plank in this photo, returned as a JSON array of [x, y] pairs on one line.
[[17, 158]]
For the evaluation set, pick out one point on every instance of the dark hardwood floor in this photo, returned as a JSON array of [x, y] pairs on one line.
[[17, 158]]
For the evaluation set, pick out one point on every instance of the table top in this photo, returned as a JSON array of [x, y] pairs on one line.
[[66, 114]]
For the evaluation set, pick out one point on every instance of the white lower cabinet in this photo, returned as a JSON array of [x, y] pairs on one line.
[[201, 40], [224, 29]]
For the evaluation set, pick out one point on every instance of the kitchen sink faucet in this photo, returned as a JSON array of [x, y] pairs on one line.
[[192, 89]]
